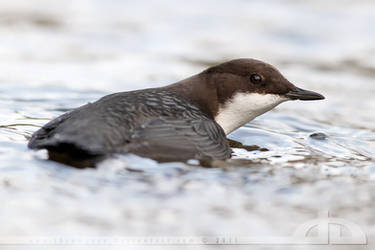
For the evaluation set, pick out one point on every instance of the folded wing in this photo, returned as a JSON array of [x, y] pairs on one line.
[[171, 139]]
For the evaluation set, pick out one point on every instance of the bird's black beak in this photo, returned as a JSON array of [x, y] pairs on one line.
[[304, 95]]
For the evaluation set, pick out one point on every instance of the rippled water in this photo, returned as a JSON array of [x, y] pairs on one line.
[[57, 55]]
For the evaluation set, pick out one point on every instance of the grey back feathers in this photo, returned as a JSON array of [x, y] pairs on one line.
[[152, 123]]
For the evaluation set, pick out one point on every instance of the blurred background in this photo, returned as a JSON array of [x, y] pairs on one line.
[[56, 55]]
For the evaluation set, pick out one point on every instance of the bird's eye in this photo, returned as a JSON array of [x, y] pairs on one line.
[[255, 78]]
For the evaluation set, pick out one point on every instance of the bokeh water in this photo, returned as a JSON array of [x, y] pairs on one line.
[[57, 55]]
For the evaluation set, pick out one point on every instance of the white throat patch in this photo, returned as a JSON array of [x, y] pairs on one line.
[[244, 107]]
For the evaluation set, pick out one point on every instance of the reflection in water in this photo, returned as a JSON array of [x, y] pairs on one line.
[[288, 164]]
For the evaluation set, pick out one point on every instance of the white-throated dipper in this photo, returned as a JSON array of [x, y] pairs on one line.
[[185, 120]]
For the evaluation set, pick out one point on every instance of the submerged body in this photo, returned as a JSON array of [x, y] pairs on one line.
[[185, 120]]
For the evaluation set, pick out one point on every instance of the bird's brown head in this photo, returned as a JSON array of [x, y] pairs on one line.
[[247, 88], [237, 91], [254, 76]]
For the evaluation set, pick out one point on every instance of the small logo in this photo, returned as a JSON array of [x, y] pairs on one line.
[[329, 231], [324, 230]]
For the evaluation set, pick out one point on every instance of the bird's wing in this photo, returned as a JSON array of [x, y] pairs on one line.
[[172, 139], [120, 124], [40, 138], [77, 132]]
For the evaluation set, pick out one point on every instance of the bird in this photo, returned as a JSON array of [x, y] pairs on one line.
[[185, 120]]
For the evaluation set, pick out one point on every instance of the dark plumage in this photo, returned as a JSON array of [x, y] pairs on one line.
[[153, 123], [172, 123]]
